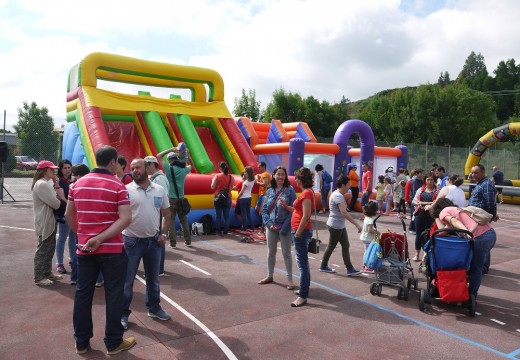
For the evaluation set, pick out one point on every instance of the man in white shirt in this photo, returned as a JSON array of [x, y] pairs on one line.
[[143, 239]]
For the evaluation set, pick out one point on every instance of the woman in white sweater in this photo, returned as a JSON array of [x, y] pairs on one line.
[[46, 194]]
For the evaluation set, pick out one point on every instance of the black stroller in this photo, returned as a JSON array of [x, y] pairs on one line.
[[449, 257]]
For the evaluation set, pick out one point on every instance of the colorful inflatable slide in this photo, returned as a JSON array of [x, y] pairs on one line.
[[142, 124]]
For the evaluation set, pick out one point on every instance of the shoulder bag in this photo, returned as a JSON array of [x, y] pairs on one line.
[[222, 195], [183, 206], [314, 244]]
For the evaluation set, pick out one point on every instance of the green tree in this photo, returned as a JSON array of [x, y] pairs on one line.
[[247, 105], [35, 130], [285, 106], [474, 73], [506, 80], [444, 79]]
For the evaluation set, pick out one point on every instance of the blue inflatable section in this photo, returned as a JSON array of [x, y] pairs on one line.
[[196, 214], [72, 149]]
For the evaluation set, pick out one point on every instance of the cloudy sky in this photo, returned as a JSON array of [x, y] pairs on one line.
[[324, 48]]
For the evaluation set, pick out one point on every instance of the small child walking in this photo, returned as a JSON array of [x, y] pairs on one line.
[[389, 195], [380, 193], [368, 231]]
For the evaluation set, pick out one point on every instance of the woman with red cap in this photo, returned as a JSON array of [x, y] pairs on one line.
[[46, 194]]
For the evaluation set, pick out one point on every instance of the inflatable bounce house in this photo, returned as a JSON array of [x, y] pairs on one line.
[[145, 124], [141, 125], [511, 192], [294, 145]]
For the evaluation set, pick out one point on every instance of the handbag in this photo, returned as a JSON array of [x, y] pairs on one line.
[[373, 257], [184, 206], [314, 244], [480, 216], [222, 195], [276, 227], [452, 285]]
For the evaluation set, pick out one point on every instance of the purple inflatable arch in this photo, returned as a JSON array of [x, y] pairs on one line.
[[341, 138]]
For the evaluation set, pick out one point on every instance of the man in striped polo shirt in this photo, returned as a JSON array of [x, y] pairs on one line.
[[98, 210]]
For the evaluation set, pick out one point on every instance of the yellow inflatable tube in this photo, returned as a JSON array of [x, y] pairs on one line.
[[145, 72]]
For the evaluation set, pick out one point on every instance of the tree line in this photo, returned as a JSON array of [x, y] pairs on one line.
[[451, 112]]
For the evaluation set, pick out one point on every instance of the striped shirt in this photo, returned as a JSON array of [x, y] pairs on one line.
[[97, 197]]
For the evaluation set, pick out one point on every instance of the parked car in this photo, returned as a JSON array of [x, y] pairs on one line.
[[25, 163]]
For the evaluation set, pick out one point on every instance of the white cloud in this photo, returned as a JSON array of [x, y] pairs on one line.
[[324, 49]]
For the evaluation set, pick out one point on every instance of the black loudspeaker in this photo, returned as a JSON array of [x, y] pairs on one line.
[[4, 151]]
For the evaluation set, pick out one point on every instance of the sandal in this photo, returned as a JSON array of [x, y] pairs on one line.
[[267, 280], [416, 258], [299, 302], [290, 286]]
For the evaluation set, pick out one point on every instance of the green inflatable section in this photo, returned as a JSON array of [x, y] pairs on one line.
[[191, 138], [157, 130]]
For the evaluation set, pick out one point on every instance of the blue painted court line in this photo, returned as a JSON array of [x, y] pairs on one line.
[[511, 355]]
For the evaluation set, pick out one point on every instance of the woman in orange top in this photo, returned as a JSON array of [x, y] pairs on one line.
[[353, 179], [301, 226]]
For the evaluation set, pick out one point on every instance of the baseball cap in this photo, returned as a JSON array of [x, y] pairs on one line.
[[172, 156], [353, 165], [181, 146], [46, 164], [151, 159]]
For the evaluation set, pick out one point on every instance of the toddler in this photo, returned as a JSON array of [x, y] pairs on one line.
[[368, 232], [380, 193], [389, 195]]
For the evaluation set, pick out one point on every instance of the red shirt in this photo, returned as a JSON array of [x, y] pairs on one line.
[[223, 182], [97, 197], [365, 184], [407, 191], [298, 209]]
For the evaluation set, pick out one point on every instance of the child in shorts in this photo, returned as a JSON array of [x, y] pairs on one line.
[[368, 231]]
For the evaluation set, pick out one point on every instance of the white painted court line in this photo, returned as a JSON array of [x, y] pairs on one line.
[[313, 258], [196, 268], [335, 265], [15, 228], [498, 322], [204, 328]]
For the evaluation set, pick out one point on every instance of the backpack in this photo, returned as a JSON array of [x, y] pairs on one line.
[[207, 224], [373, 257], [480, 216]]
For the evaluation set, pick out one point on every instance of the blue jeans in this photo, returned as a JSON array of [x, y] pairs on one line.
[[301, 249], [149, 250], [481, 247], [64, 231], [422, 222], [222, 210], [113, 267], [163, 256], [365, 197], [324, 195], [245, 208]]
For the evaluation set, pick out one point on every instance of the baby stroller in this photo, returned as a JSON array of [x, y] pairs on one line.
[[396, 269], [449, 258]]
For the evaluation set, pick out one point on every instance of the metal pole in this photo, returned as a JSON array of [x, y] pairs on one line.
[[2, 169]]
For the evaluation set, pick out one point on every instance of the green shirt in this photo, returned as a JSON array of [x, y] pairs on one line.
[[180, 177]]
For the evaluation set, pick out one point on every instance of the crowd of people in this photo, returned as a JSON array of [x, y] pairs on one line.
[[110, 232]]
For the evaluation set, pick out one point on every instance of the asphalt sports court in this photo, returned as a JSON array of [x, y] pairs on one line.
[[219, 312]]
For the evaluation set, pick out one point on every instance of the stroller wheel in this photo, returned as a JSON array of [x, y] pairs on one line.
[[472, 305], [373, 289], [415, 283], [400, 293], [409, 283], [405, 294], [379, 289], [422, 298]]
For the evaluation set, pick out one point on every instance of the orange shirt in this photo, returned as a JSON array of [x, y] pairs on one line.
[[263, 176], [298, 209], [353, 178]]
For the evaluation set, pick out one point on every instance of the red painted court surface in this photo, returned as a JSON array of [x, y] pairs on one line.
[[219, 312]]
